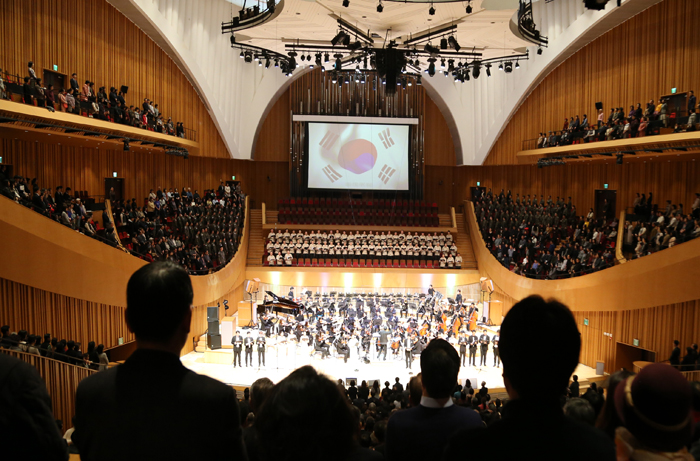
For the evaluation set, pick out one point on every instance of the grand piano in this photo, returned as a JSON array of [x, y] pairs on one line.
[[279, 305]]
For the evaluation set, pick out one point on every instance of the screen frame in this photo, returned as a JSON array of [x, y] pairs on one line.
[[375, 121]]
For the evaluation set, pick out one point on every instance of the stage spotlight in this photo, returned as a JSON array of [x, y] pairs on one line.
[[509, 67], [450, 65], [338, 62], [477, 70], [308, 57], [517, 64], [431, 68], [453, 43], [347, 79], [419, 81], [339, 38], [431, 11], [303, 58], [233, 39], [469, 7], [334, 77], [500, 66], [618, 161], [318, 59], [409, 82], [488, 70], [355, 46], [466, 74], [362, 78], [443, 43], [257, 58], [442, 63], [346, 3], [595, 4], [277, 62], [126, 145], [259, 62], [539, 50], [431, 49], [248, 57], [380, 7], [326, 57], [242, 55]]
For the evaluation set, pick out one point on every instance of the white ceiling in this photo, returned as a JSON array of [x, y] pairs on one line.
[[314, 22]]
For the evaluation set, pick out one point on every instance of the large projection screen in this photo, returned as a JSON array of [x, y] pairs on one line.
[[358, 156]]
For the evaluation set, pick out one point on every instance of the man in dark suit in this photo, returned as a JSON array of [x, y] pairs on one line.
[[146, 403], [248, 342], [237, 342], [74, 85], [409, 344], [473, 342], [260, 342], [533, 422], [458, 298], [484, 341], [422, 431], [691, 102], [675, 359]]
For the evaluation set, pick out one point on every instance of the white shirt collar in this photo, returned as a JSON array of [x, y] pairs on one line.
[[430, 402]]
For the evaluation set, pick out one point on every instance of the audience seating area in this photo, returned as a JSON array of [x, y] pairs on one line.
[[333, 211], [355, 249], [544, 239], [649, 230]]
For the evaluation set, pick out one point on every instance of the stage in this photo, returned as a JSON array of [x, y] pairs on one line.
[[280, 363]]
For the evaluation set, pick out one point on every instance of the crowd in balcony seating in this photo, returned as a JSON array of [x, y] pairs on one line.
[[201, 233], [63, 206], [86, 100], [654, 230], [545, 239], [391, 248], [334, 211], [47, 346], [636, 122]]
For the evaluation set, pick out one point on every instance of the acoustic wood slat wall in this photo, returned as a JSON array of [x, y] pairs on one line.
[[93, 39], [61, 381], [23, 307], [640, 59]]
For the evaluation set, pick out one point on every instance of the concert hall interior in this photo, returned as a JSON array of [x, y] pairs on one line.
[[346, 182]]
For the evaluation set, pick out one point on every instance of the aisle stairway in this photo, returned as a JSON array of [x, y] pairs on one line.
[[256, 243], [464, 243]]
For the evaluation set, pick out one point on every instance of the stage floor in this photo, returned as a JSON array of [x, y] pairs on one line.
[[279, 367]]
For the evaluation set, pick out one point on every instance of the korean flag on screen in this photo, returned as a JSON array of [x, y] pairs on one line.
[[358, 156]]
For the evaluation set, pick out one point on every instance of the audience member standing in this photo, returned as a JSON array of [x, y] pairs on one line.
[[143, 409], [533, 424], [422, 431]]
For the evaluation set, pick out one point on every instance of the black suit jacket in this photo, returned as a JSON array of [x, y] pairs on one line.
[[421, 433], [531, 430], [152, 407]]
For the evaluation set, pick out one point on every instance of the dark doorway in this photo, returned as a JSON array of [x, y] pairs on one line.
[[626, 355], [54, 78], [601, 210], [118, 185]]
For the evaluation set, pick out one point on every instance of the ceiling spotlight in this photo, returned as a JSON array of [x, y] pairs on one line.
[[539, 50], [466, 74], [477, 70], [347, 79], [380, 7], [451, 65], [443, 43], [453, 43], [334, 77], [318, 59], [362, 78], [303, 58], [469, 7], [419, 81], [409, 82], [326, 57], [242, 55], [346, 3], [308, 57], [259, 62], [500, 66], [267, 63], [233, 39], [277, 63], [517, 65], [618, 161], [339, 38], [442, 63], [431, 49], [248, 57], [257, 58], [431, 67], [488, 70], [355, 46], [509, 67], [431, 11], [126, 145]]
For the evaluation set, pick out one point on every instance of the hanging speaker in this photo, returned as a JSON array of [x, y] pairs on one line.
[[124, 89]]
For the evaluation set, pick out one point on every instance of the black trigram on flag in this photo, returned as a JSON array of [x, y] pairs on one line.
[[328, 140], [332, 175], [385, 137], [386, 173]]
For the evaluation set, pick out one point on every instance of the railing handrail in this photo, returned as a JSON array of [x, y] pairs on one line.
[[620, 238]]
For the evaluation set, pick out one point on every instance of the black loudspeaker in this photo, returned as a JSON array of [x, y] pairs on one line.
[[124, 89], [214, 342], [598, 105], [213, 327], [212, 313]]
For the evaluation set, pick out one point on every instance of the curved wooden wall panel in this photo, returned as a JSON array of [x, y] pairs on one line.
[[61, 381], [641, 59], [96, 41]]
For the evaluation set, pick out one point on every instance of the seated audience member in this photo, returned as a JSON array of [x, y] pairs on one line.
[[259, 391], [580, 410], [422, 431], [533, 422], [27, 424], [302, 404], [142, 409], [655, 407]]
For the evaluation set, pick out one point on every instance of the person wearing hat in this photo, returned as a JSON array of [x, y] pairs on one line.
[[655, 407], [533, 422]]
